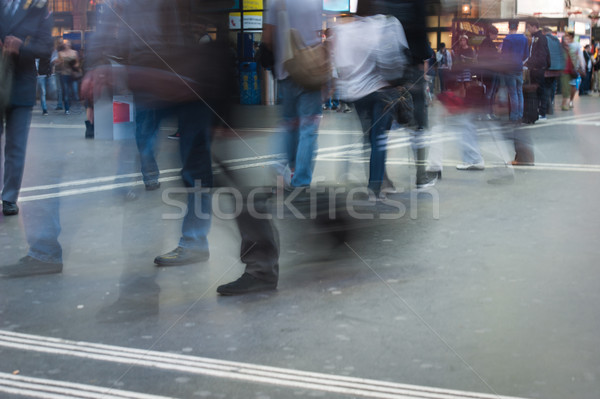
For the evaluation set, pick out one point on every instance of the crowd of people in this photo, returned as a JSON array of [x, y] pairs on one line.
[[377, 61]]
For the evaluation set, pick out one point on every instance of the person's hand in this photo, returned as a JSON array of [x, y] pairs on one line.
[[95, 79], [11, 45]]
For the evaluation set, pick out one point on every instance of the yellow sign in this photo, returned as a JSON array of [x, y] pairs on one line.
[[253, 4]]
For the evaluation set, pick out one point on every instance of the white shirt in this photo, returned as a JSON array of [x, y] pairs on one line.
[[358, 45]]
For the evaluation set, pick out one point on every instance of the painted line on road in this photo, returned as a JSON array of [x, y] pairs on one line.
[[238, 371], [53, 389]]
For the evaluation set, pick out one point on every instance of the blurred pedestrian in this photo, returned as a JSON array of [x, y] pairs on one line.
[[464, 57], [487, 58], [514, 53], [25, 34], [362, 47], [588, 67], [44, 72], [68, 61], [444, 65], [537, 64], [411, 14], [302, 107], [557, 65], [190, 80]]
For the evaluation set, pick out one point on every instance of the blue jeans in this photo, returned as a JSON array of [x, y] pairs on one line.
[[147, 122], [195, 123], [301, 115], [375, 122], [514, 87], [42, 82], [55, 79], [66, 83]]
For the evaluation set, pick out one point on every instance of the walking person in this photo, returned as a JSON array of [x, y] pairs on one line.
[[537, 63], [68, 61], [25, 34], [358, 46], [444, 64], [557, 65], [514, 53], [302, 107], [44, 72], [487, 57], [588, 67]]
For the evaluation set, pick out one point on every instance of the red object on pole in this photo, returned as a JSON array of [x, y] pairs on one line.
[[121, 112]]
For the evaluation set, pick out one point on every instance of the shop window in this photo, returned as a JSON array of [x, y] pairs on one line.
[[446, 20], [432, 36], [60, 6], [433, 21]]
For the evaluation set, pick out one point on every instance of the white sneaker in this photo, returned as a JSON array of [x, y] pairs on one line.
[[471, 166]]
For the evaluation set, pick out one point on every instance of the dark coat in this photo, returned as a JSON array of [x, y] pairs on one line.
[[33, 25], [539, 57]]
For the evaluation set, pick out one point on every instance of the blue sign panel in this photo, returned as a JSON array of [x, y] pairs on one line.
[[336, 5]]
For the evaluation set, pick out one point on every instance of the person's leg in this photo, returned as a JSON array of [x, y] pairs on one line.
[[64, 85], [309, 115], [519, 89], [59, 97], [260, 244], [42, 85], [288, 139], [471, 153], [195, 121], [146, 130], [18, 120], [75, 87], [513, 102], [537, 77]]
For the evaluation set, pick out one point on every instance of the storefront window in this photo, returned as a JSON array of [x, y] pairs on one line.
[[60, 5]]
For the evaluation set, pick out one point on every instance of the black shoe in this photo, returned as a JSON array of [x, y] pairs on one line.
[[175, 136], [58, 108], [9, 208], [244, 285], [428, 180], [29, 266], [181, 256], [45, 113], [153, 185]]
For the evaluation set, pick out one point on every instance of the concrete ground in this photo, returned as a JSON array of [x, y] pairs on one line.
[[467, 290]]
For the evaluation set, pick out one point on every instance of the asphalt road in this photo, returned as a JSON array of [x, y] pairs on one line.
[[467, 290]]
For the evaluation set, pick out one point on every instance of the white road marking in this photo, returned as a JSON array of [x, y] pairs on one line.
[[398, 139], [247, 372], [53, 389]]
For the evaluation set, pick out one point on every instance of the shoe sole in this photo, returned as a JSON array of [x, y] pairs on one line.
[[57, 270], [234, 293], [167, 263]]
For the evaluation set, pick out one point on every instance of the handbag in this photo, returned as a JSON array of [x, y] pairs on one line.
[[308, 66], [6, 81]]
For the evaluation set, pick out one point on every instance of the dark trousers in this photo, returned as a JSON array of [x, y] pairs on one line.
[[550, 93], [538, 79], [17, 121], [375, 121]]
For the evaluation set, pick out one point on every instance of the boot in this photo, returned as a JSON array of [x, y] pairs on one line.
[[89, 130], [424, 178]]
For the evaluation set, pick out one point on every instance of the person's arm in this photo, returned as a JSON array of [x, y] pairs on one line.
[[268, 35], [39, 45]]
